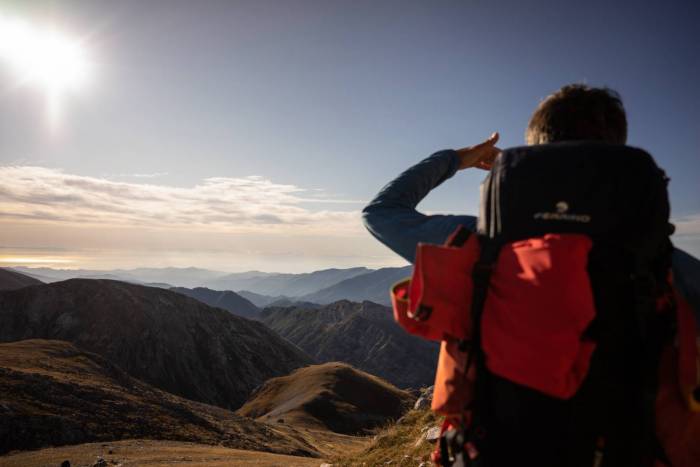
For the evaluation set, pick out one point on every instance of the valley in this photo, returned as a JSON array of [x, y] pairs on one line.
[[96, 369]]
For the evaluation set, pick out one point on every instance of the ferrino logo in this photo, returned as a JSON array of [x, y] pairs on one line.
[[562, 214]]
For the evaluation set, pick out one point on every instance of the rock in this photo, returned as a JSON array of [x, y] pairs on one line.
[[65, 464], [425, 399], [432, 434], [100, 462], [422, 403]]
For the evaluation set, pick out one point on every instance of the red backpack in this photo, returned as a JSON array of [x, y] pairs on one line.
[[555, 316]]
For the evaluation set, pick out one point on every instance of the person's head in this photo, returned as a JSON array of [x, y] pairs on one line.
[[578, 112]]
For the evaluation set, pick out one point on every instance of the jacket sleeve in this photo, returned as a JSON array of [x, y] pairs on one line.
[[391, 217]]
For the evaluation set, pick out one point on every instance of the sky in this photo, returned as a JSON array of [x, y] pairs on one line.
[[238, 135]]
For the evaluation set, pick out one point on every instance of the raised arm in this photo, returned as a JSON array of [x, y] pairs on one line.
[[391, 216]]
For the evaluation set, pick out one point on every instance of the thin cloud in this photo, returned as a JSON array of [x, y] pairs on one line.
[[138, 175], [248, 204], [687, 225]]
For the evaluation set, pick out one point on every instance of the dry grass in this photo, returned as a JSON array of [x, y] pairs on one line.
[[331, 396], [128, 453], [54, 394], [401, 443]]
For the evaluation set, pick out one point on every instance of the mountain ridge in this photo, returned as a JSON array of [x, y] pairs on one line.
[[11, 280], [333, 396], [363, 335], [163, 338], [54, 394], [373, 286], [224, 299]]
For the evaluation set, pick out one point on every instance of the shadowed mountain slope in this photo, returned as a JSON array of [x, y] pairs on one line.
[[259, 300], [687, 277], [288, 302], [373, 286], [361, 334], [55, 394], [331, 396], [11, 280], [166, 339], [227, 300], [290, 285]]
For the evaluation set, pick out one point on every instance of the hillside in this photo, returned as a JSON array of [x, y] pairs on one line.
[[259, 300], [227, 300], [290, 285], [54, 394], [287, 302], [331, 396], [363, 335], [373, 286], [687, 277], [408, 442], [166, 339], [152, 453], [11, 280]]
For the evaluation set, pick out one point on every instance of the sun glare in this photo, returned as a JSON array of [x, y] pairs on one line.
[[46, 59]]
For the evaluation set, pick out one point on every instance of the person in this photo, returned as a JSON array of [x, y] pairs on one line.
[[574, 112]]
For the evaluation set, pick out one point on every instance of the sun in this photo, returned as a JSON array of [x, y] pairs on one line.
[[45, 59]]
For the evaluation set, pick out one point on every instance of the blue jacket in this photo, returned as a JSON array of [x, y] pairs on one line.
[[392, 218]]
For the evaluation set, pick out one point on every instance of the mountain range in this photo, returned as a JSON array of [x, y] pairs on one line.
[[363, 335], [261, 288], [227, 300], [56, 394], [373, 286], [163, 338], [85, 360], [289, 285]]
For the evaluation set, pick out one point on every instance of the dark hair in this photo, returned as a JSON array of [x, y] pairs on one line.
[[578, 112]]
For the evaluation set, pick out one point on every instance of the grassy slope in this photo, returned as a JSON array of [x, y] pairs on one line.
[[149, 453], [331, 396], [55, 394], [398, 443]]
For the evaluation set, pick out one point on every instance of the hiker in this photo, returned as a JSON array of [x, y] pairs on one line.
[[391, 217], [531, 427]]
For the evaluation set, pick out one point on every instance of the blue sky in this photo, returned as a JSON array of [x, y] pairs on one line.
[[322, 102]]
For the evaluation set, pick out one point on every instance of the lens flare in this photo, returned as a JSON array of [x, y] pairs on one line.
[[46, 59]]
